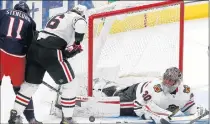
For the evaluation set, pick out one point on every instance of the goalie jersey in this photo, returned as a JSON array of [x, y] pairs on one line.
[[181, 99], [63, 27]]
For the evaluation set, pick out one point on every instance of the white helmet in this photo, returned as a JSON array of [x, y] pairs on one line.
[[79, 9], [172, 78]]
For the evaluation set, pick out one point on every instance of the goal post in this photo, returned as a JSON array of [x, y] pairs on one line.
[[148, 21]]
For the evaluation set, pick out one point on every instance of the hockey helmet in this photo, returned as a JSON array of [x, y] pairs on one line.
[[172, 78], [79, 9], [22, 6]]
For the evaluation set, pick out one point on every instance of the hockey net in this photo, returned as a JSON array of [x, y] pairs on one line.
[[130, 43]]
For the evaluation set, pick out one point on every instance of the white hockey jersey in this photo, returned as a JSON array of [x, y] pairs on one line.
[[182, 99], [65, 25]]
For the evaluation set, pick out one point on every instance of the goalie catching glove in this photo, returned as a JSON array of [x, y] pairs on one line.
[[72, 50]]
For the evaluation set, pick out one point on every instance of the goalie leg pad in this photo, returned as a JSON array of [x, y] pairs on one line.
[[99, 107]]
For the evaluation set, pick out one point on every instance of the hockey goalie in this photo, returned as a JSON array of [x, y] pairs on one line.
[[156, 100]]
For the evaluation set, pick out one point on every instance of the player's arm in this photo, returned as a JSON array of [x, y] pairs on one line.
[[191, 108], [80, 29], [31, 33], [146, 108], [35, 32]]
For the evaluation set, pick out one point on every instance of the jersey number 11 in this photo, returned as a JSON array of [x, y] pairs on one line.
[[10, 29]]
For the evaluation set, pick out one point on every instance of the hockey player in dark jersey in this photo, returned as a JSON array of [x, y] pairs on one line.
[[16, 34], [49, 53]]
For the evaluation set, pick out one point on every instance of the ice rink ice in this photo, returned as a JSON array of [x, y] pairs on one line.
[[195, 74]]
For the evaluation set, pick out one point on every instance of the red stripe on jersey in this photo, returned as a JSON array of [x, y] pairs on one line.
[[190, 102]]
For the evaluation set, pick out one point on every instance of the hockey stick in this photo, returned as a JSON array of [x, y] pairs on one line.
[[199, 117], [51, 87], [57, 96], [79, 98]]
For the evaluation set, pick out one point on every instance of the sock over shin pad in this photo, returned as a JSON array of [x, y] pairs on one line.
[[29, 111], [68, 98], [23, 97]]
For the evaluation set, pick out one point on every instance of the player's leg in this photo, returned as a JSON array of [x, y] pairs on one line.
[[17, 76], [2, 65], [29, 111], [1, 74], [127, 96], [1, 79], [62, 73], [33, 77], [23, 99]]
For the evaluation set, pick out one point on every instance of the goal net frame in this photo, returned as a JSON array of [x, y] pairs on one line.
[[124, 11]]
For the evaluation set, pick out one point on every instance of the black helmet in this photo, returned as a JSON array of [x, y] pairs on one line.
[[22, 6]]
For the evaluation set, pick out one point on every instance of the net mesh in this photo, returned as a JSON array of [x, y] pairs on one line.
[[132, 47]]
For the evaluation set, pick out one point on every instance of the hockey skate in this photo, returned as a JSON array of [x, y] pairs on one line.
[[14, 118], [34, 121], [68, 120]]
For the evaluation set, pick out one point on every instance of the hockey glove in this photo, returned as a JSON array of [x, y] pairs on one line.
[[72, 50]]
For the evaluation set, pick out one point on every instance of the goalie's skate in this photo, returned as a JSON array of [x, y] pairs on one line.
[[68, 120], [14, 118]]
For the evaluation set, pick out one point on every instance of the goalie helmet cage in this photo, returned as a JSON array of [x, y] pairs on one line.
[[140, 8]]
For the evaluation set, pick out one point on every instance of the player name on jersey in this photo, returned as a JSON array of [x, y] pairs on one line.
[[19, 14]]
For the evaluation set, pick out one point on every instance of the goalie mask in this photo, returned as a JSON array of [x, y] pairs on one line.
[[172, 78]]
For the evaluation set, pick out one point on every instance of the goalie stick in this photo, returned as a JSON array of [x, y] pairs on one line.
[[199, 117]]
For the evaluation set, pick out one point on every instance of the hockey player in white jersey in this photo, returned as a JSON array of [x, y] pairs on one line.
[[159, 97], [49, 53]]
